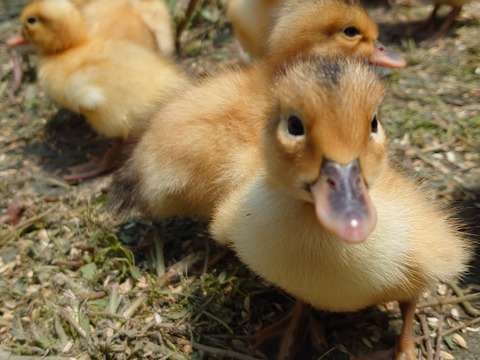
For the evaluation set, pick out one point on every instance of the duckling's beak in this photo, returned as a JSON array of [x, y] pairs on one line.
[[383, 56], [16, 40], [342, 203]]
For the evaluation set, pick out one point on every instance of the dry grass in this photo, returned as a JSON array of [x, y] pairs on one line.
[[76, 282]]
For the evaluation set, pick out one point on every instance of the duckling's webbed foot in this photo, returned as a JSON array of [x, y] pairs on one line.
[[95, 168], [297, 336]]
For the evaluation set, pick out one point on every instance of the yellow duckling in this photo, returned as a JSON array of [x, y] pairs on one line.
[[144, 22], [115, 84], [294, 175], [278, 30]]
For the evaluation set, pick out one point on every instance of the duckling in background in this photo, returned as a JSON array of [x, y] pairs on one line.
[[294, 175], [278, 30], [145, 22], [115, 84], [251, 20], [447, 24]]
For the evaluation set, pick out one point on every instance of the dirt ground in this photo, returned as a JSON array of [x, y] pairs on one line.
[[78, 283]]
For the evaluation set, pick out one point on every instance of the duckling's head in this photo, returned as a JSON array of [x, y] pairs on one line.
[[53, 25], [341, 27], [325, 143]]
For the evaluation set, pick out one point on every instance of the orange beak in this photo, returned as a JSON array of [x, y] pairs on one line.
[[383, 56], [16, 40]]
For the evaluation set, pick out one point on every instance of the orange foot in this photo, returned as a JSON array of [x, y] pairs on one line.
[[95, 168]]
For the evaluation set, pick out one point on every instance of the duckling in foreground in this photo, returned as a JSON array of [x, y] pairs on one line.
[[278, 30], [293, 173], [115, 84]]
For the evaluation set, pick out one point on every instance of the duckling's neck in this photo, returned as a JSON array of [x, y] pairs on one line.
[[68, 38]]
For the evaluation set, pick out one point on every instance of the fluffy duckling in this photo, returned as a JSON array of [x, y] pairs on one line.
[[278, 30], [251, 20], [115, 84], [144, 22], [294, 175]]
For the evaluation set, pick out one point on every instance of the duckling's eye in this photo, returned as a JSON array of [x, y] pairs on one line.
[[32, 20], [374, 125], [351, 31], [295, 126]]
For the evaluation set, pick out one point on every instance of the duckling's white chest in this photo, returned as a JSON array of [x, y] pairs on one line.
[[281, 239]]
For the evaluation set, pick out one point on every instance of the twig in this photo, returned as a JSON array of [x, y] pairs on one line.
[[71, 320], [183, 23], [175, 269], [438, 343], [131, 310], [74, 263], [92, 296], [114, 300], [461, 326], [17, 76], [426, 331], [19, 228], [216, 351], [469, 309], [7, 355], [135, 305], [411, 150], [449, 300], [219, 257], [446, 301], [324, 355], [220, 321], [52, 181]]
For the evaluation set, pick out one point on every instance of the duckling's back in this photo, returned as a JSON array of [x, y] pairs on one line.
[[198, 147], [114, 83], [144, 22]]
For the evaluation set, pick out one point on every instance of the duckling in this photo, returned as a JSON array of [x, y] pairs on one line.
[[144, 22], [250, 21], [115, 84], [447, 24], [279, 30], [293, 174]]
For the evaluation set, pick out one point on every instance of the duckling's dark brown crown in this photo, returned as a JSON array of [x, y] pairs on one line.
[[330, 70]]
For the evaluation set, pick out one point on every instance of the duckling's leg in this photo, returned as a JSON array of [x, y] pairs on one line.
[[447, 24], [291, 333], [405, 347], [430, 23], [95, 168]]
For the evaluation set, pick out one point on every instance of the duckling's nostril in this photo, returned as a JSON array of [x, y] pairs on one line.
[[331, 183]]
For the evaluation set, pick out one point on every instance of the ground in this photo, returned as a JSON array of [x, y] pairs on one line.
[[77, 282]]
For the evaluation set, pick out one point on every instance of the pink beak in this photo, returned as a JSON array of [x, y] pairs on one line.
[[16, 40], [382, 56], [342, 203]]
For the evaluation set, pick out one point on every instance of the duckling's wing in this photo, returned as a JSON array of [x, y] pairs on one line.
[[82, 92]]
